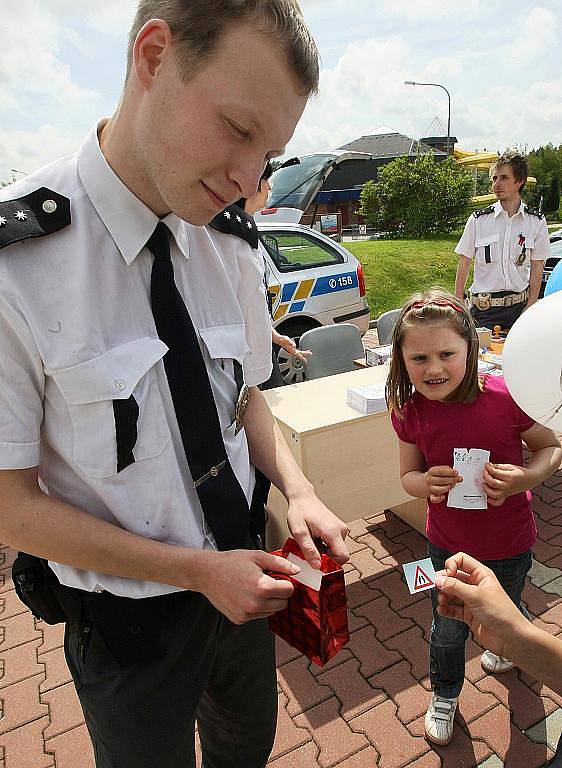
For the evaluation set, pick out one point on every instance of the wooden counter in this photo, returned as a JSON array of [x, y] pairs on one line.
[[351, 459]]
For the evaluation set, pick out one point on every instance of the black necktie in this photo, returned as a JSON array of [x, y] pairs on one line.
[[223, 501]]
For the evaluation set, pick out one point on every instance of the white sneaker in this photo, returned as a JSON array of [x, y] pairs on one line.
[[495, 664], [439, 719]]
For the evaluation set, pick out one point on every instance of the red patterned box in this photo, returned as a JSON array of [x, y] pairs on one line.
[[315, 619]]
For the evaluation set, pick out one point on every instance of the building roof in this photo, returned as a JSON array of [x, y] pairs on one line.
[[389, 145]]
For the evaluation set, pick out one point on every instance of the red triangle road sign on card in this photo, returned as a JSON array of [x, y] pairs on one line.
[[421, 579]]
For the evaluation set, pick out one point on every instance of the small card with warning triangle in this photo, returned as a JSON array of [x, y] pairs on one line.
[[419, 575]]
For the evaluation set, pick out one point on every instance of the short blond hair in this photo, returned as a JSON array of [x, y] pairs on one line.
[[197, 26]]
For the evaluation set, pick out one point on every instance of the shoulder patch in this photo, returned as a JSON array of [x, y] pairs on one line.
[[483, 211], [234, 221], [534, 212], [41, 212]]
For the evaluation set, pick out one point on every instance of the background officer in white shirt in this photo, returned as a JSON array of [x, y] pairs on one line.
[[508, 243], [162, 627]]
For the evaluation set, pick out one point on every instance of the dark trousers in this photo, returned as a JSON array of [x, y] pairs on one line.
[[448, 636], [505, 317], [204, 670]]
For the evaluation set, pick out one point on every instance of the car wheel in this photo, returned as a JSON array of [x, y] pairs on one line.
[[292, 370]]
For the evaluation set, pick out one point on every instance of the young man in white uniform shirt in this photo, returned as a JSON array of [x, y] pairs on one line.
[[162, 628], [508, 243]]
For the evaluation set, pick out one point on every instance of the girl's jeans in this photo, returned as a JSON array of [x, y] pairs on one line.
[[448, 636]]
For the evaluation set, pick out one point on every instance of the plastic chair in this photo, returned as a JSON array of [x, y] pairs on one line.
[[333, 347], [385, 325]]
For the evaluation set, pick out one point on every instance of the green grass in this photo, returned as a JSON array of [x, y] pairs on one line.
[[394, 269]]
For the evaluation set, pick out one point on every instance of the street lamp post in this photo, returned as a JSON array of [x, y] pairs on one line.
[[438, 85]]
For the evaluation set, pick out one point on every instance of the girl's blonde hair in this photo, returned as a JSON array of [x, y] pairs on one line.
[[433, 306]]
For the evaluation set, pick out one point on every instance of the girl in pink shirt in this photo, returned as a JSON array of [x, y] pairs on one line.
[[439, 403]]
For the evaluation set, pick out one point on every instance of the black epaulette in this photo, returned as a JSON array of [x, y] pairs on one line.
[[234, 221], [39, 213], [533, 212], [483, 211]]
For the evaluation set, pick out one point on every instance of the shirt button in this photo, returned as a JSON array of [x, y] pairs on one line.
[[119, 385], [49, 206]]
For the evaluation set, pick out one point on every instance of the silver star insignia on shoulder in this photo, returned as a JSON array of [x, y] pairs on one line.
[[239, 220], [227, 215], [21, 215], [3, 221], [249, 224]]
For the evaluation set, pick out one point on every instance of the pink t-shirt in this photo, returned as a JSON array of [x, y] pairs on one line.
[[493, 422]]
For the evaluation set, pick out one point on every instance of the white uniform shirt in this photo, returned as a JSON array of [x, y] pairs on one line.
[[503, 248], [77, 332]]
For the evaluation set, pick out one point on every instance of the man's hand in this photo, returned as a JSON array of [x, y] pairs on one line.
[[308, 518], [503, 480], [290, 346], [439, 481], [470, 592], [237, 584]]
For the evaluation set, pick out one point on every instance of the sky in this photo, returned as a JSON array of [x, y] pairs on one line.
[[62, 65]]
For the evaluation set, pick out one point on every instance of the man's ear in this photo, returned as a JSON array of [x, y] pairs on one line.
[[152, 46]]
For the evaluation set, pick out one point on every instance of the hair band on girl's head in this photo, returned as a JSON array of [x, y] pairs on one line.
[[438, 302]]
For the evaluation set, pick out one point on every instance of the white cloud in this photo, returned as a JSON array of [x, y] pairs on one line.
[[30, 62], [108, 16], [434, 11], [26, 151], [537, 35], [357, 94]]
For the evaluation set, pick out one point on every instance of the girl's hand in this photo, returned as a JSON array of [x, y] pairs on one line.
[[503, 480], [439, 481]]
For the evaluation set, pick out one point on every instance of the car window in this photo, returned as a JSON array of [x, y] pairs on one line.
[[292, 186], [295, 250]]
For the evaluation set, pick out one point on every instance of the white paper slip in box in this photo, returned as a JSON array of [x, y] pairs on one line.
[[367, 399], [470, 465], [419, 575]]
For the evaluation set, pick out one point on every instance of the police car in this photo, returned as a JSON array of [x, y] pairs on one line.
[[312, 279]]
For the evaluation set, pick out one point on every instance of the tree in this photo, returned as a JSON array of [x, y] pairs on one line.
[[545, 164], [419, 198]]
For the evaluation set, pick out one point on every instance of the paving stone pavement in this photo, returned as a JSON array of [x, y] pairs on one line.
[[363, 709]]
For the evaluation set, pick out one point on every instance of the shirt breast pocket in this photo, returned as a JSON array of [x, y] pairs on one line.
[[487, 249], [115, 407], [522, 249], [225, 346]]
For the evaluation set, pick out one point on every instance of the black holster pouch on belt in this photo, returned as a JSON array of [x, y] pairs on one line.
[[36, 585]]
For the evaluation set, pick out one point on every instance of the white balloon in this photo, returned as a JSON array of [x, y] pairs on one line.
[[532, 361]]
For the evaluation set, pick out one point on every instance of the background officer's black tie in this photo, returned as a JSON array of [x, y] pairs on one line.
[[224, 504]]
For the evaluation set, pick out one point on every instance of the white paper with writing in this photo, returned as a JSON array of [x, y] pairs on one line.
[[470, 465]]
